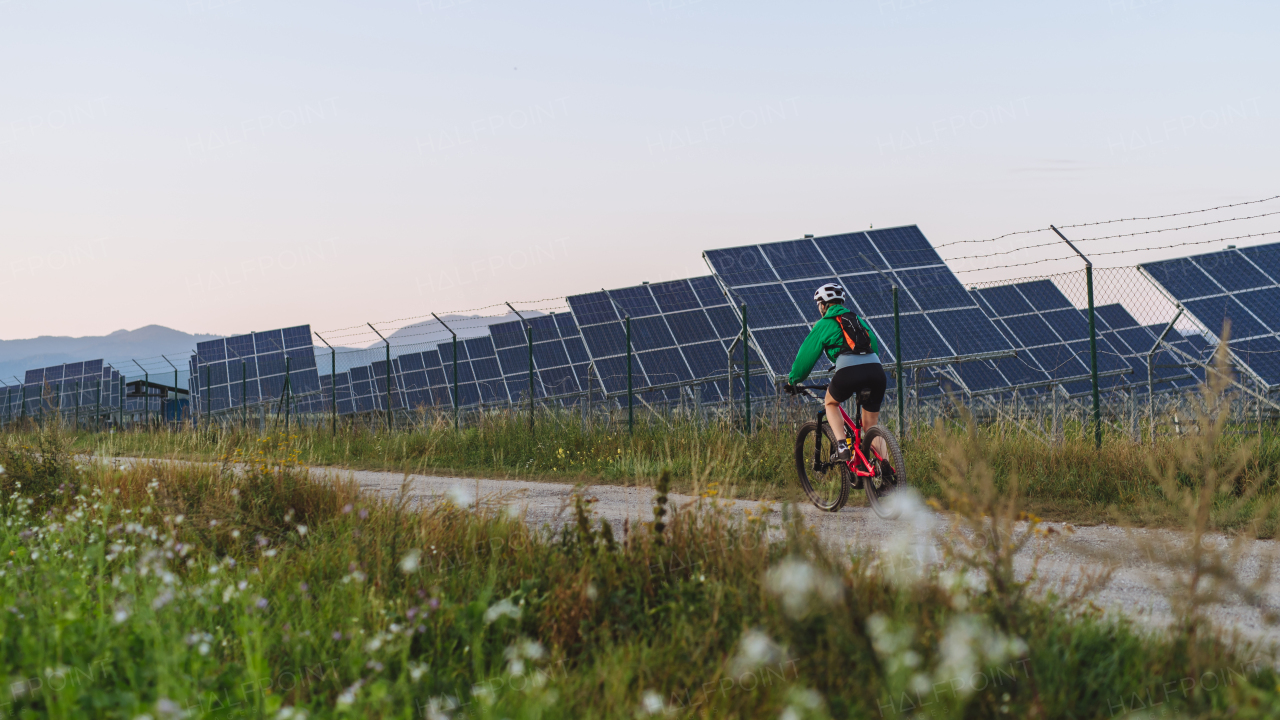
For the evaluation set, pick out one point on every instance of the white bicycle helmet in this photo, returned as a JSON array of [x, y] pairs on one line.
[[828, 293]]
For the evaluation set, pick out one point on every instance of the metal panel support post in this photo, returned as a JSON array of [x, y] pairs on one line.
[[631, 415], [146, 394], [528, 329], [746, 367], [897, 355], [388, 343], [333, 382], [455, 368], [1093, 341], [1151, 381]]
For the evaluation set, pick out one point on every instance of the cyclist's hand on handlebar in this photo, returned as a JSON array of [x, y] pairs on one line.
[[791, 389]]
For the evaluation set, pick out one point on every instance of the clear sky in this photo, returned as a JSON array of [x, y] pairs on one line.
[[233, 165]]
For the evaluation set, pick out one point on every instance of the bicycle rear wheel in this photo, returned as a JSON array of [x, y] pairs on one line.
[[890, 473], [824, 478]]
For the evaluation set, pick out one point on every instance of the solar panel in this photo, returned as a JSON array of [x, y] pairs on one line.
[[938, 317], [1051, 336], [559, 357], [84, 384], [247, 369], [680, 329], [1232, 286]]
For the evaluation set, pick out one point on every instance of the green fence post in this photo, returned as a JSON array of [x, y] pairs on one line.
[[77, 406], [388, 344], [244, 387], [631, 414], [455, 368], [333, 382], [285, 394], [897, 355], [97, 411], [1093, 360], [1093, 342], [746, 368], [529, 331]]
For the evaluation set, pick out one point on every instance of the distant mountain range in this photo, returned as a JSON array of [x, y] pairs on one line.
[[18, 356]]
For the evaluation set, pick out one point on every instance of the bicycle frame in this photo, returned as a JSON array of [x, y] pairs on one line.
[[857, 460]]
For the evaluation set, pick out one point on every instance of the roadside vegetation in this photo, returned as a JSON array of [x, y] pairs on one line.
[[216, 590], [1070, 481]]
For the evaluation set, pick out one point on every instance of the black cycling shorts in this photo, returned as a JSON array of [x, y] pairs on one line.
[[857, 378]]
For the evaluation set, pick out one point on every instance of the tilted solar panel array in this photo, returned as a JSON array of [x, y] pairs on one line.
[[246, 369], [938, 318], [1133, 341], [1051, 336], [56, 387], [419, 378], [10, 400], [680, 331], [560, 358], [1235, 286]]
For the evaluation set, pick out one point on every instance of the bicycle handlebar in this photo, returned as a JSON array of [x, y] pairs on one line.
[[807, 388]]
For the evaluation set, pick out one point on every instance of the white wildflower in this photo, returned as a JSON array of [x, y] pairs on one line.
[[302, 530], [348, 696], [459, 496], [969, 644], [798, 583], [291, 713], [409, 563], [651, 703], [755, 650], [438, 708], [801, 703], [911, 550], [417, 670], [502, 608], [169, 710]]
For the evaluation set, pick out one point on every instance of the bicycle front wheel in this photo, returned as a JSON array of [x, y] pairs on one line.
[[824, 478], [890, 473]]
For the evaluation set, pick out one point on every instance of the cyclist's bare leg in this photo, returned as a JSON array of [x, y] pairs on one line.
[[869, 420], [833, 416]]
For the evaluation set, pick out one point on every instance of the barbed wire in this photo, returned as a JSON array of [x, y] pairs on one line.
[[1108, 222], [1186, 244], [1177, 214], [1112, 237], [1121, 252]]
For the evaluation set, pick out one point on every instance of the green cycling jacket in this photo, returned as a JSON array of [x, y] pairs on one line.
[[825, 337]]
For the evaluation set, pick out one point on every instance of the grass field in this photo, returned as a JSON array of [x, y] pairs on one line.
[[1070, 482], [170, 591]]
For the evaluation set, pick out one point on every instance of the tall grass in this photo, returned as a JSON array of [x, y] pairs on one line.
[[178, 590], [1071, 481]]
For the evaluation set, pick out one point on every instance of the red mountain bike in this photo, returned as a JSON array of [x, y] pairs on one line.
[[826, 480]]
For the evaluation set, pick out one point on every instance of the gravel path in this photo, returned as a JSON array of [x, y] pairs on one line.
[[1133, 589]]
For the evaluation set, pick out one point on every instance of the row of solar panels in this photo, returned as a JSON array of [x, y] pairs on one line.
[[682, 329], [87, 385]]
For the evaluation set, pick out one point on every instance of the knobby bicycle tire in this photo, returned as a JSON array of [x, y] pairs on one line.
[[886, 481], [828, 484]]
